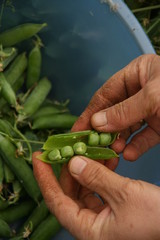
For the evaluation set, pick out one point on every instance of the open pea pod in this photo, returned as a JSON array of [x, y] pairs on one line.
[[95, 153], [100, 153], [61, 140]]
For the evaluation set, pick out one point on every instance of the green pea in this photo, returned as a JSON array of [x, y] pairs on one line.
[[93, 139], [67, 151], [79, 148], [54, 154], [105, 139]]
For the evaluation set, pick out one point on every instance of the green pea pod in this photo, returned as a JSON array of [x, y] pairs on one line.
[[16, 86], [98, 153], [35, 99], [34, 66], [95, 153], [20, 168], [48, 110], [7, 91], [8, 174], [16, 212], [61, 140], [35, 218], [16, 69], [55, 121], [5, 230], [20, 33], [47, 229]]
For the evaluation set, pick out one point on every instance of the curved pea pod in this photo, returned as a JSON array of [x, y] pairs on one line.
[[34, 66], [46, 229], [17, 211], [35, 99], [35, 218], [20, 168], [61, 140], [54, 121], [16, 69], [5, 230], [20, 33], [6, 91]]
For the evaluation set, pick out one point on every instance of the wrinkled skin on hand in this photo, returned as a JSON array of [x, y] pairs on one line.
[[127, 209]]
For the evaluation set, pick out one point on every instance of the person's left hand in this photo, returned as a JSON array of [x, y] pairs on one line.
[[128, 209]]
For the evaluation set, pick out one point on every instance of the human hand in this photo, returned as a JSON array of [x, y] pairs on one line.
[[130, 208], [123, 102]]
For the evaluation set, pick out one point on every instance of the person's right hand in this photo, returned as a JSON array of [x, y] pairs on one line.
[[124, 102]]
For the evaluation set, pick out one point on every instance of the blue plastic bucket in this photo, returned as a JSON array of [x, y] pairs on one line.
[[87, 41]]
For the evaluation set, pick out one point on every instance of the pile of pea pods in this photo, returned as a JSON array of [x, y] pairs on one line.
[[31, 121], [27, 118]]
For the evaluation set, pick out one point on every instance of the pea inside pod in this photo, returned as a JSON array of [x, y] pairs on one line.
[[78, 143]]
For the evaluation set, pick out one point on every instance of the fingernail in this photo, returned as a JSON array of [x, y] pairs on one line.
[[99, 119], [77, 165]]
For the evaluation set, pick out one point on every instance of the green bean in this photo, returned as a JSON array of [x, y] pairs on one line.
[[104, 139], [18, 211], [54, 121], [47, 110], [35, 99], [34, 66], [47, 229], [8, 174], [20, 168], [54, 154], [20, 33], [80, 148], [16, 69], [93, 139], [36, 217], [67, 151], [5, 230], [7, 91]]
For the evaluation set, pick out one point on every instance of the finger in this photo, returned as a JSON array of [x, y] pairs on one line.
[[68, 184], [123, 84], [98, 178], [140, 143], [65, 209]]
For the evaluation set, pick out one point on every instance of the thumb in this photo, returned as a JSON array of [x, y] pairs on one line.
[[97, 178], [122, 115]]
